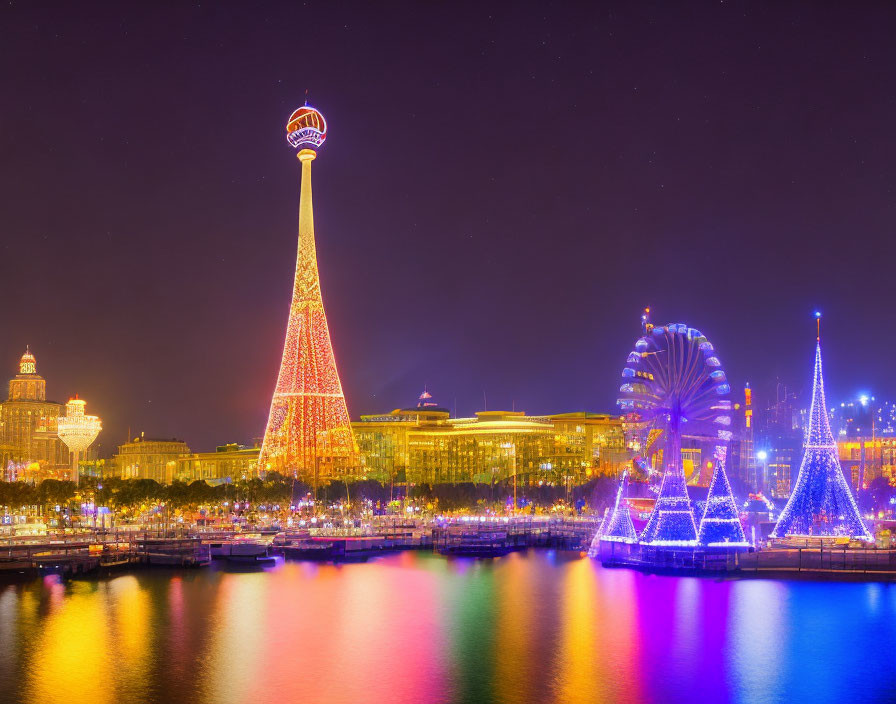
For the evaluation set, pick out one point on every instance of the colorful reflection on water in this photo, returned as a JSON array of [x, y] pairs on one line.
[[418, 628]]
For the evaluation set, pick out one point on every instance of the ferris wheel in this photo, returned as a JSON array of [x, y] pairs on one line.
[[673, 386]]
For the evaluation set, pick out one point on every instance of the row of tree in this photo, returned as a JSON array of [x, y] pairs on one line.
[[276, 489]]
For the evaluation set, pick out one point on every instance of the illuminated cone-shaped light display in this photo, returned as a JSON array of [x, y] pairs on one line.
[[821, 504], [617, 525], [78, 431], [308, 432], [720, 525]]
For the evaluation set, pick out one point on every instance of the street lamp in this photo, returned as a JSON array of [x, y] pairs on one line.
[[762, 456]]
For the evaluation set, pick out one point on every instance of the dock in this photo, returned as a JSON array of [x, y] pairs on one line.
[[818, 561]]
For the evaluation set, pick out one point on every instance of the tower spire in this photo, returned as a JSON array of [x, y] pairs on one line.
[[821, 503], [308, 433]]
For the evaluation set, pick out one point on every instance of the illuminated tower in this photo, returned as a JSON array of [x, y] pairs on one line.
[[308, 432], [821, 504], [77, 431]]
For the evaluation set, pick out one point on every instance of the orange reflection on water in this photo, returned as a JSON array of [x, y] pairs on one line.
[[70, 656], [596, 660], [234, 666], [515, 636], [578, 678]]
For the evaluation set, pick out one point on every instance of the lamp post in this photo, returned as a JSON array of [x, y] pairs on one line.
[[762, 456]]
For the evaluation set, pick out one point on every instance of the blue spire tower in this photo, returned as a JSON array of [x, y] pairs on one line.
[[720, 525], [821, 504]]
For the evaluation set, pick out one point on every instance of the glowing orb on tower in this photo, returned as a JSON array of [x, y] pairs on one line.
[[306, 128]]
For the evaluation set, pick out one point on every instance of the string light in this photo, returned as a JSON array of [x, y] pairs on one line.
[[720, 525], [77, 430], [308, 430], [673, 380], [821, 503], [617, 526]]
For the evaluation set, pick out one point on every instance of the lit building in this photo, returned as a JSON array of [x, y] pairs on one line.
[[229, 462], [149, 458], [28, 425], [865, 430], [871, 458], [781, 441], [424, 444], [308, 432]]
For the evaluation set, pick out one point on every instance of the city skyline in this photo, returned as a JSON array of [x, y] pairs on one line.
[[674, 183]]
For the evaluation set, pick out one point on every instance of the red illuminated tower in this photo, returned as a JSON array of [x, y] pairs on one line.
[[308, 434]]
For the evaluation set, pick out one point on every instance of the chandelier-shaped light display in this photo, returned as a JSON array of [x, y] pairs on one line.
[[77, 430], [720, 525], [821, 504], [308, 431], [673, 383]]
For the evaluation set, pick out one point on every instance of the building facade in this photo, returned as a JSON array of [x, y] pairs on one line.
[[868, 459], [425, 445], [28, 426], [230, 462], [149, 458]]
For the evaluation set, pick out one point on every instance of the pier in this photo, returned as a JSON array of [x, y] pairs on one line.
[[777, 561]]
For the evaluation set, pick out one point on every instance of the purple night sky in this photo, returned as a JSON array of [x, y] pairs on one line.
[[501, 192]]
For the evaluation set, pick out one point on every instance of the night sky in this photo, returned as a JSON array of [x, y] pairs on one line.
[[501, 192]]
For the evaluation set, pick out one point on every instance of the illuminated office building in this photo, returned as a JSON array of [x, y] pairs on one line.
[[149, 458], [231, 462], [423, 444], [28, 425], [868, 458]]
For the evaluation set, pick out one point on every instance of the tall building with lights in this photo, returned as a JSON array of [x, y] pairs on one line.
[[28, 425], [308, 433]]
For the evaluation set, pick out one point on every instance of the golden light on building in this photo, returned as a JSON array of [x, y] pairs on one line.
[[28, 426], [424, 444]]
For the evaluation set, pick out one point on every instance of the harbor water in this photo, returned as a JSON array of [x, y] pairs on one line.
[[415, 628]]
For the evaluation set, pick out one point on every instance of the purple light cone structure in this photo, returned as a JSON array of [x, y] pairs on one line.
[[617, 524], [720, 525], [821, 504]]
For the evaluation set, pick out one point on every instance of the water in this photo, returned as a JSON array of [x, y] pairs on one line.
[[418, 628]]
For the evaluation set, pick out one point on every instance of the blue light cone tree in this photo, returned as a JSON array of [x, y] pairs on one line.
[[821, 504], [720, 525], [617, 525], [672, 520]]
